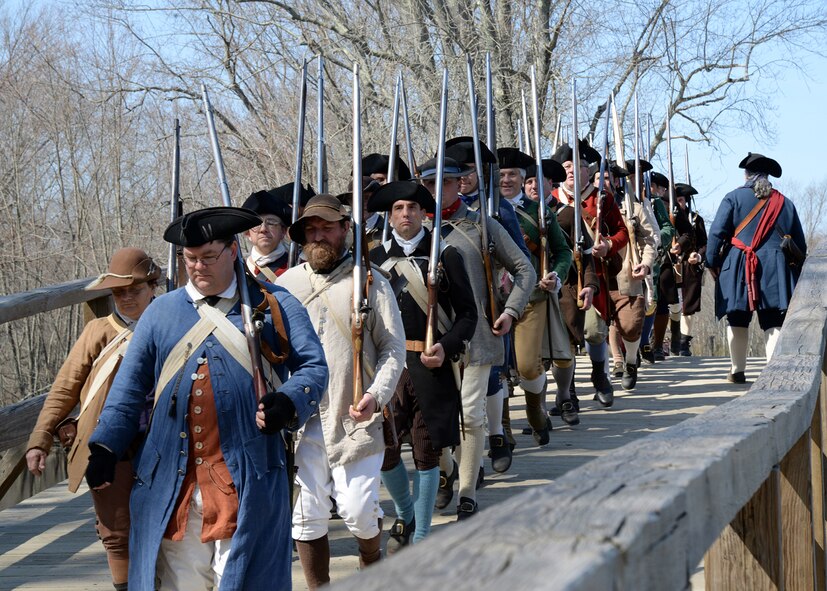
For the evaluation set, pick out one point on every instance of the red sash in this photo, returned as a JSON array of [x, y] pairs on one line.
[[765, 225]]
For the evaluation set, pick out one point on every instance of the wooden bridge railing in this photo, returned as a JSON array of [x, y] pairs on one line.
[[17, 420], [740, 487]]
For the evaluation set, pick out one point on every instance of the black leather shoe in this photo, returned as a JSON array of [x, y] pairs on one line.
[[401, 533], [604, 391], [568, 413], [466, 508], [445, 492], [647, 355], [541, 437], [500, 453], [659, 354], [737, 378], [629, 377]]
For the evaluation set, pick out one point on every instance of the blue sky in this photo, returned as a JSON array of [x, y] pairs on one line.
[[799, 119]]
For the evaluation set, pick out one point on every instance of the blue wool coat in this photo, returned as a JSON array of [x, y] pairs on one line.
[[776, 279], [261, 546]]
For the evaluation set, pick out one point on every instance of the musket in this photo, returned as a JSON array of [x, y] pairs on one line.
[[578, 238], [434, 264], [293, 255], [386, 229], [491, 142], [647, 176], [406, 122], [673, 204], [541, 216], [526, 133], [620, 159], [686, 164], [176, 207], [251, 328], [556, 143], [321, 147], [520, 145], [493, 308], [361, 266], [601, 185]]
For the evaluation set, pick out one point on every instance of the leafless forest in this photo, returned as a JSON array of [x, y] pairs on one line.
[[89, 91]]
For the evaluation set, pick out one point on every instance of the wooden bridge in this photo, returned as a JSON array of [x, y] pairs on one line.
[[687, 482]]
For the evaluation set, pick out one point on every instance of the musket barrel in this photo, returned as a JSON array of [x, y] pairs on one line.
[[392, 174], [321, 151], [491, 138], [672, 203], [175, 206], [297, 178], [526, 131], [577, 189], [407, 123], [538, 158], [358, 270]]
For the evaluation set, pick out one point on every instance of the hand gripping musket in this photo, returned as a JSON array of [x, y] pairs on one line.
[[176, 208], [491, 142], [361, 264], [321, 147], [673, 204], [251, 328], [293, 256], [493, 308], [434, 264], [386, 229], [578, 238]]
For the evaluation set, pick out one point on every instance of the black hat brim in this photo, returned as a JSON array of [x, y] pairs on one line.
[[761, 164], [197, 228], [390, 193]]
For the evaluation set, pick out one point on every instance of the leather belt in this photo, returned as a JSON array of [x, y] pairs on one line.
[[416, 346]]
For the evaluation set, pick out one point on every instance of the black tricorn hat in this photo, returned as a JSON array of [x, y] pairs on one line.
[[645, 166], [659, 179], [390, 193], [513, 158], [552, 170], [378, 164], [461, 149], [369, 185], [762, 164], [565, 153], [451, 169], [285, 193], [268, 202], [685, 190], [196, 228], [618, 171]]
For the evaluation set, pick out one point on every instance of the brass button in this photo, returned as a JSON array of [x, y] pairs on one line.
[[198, 429], [199, 445], [201, 376], [199, 392], [199, 461], [197, 410], [183, 435]]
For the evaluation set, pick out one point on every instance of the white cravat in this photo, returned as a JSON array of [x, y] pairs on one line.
[[263, 260], [408, 246]]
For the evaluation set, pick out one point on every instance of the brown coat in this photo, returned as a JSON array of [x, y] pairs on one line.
[[71, 387]]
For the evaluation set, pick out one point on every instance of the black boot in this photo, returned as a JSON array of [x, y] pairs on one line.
[[685, 342], [675, 337], [629, 377], [604, 393]]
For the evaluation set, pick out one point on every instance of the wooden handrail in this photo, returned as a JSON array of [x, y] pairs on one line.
[[45, 299], [644, 516]]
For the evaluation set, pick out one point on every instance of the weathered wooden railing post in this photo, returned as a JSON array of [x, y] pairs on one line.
[[818, 431]]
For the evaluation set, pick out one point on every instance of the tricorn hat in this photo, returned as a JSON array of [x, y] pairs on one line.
[[645, 166], [378, 164], [270, 202], [461, 149], [390, 193], [128, 266], [565, 153], [324, 206], [369, 185], [513, 158], [685, 190], [762, 164], [451, 169], [552, 170], [196, 228], [659, 179], [285, 193]]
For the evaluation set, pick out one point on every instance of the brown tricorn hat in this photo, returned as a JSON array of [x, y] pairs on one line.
[[128, 266]]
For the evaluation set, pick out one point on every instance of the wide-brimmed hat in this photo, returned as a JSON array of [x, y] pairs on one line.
[[685, 190], [324, 206], [552, 170], [645, 166], [378, 164], [390, 193], [451, 169], [761, 164], [128, 266], [196, 228], [565, 153], [461, 149], [270, 202], [513, 158], [659, 179]]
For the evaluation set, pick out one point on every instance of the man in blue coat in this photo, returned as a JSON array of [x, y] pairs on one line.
[[744, 253], [210, 501]]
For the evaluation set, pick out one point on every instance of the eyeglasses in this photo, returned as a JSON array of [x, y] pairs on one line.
[[268, 224], [206, 261]]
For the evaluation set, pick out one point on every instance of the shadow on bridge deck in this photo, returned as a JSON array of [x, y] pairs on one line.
[[49, 541]]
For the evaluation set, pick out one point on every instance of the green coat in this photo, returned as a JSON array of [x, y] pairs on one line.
[[561, 256], [667, 232]]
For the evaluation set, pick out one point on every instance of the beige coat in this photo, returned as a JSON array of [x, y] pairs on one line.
[[71, 387], [327, 299], [645, 245]]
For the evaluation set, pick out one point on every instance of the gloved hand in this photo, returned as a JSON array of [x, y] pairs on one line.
[[276, 410], [101, 468]]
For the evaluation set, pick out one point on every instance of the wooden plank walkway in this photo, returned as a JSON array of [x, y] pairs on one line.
[[49, 541]]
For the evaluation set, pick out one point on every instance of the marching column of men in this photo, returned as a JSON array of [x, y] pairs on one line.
[[213, 464]]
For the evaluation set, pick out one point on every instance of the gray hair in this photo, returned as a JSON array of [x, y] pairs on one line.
[[759, 183]]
